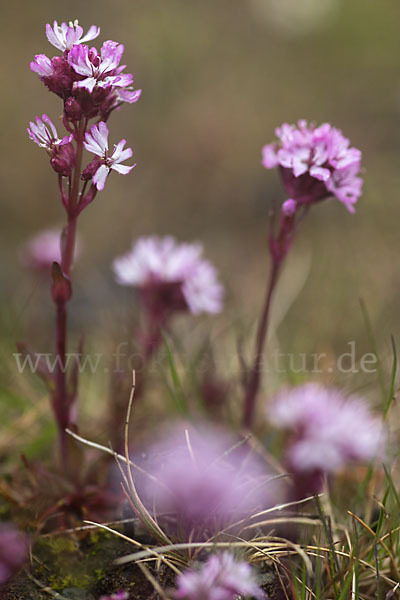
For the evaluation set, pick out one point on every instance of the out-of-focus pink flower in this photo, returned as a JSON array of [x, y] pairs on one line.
[[64, 36], [204, 481], [117, 596], [315, 162], [171, 276], [43, 249], [13, 551], [327, 430], [97, 142], [222, 577]]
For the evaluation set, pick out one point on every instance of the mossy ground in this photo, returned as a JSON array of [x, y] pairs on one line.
[[78, 569]]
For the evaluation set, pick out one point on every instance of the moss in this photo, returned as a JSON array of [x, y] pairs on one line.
[[59, 583], [86, 563]]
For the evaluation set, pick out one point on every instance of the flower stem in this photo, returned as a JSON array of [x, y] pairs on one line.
[[61, 398], [253, 382]]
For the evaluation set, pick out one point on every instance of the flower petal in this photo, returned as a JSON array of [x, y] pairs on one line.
[[122, 169], [99, 178]]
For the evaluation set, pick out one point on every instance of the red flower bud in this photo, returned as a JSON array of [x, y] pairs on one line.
[[61, 289], [73, 109], [63, 159]]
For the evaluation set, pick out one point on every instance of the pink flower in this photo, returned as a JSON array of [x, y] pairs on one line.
[[43, 249], [170, 275], [222, 577], [99, 70], [44, 133], [13, 551], [42, 65], [97, 142], [61, 151], [64, 36], [201, 480], [315, 162], [327, 430]]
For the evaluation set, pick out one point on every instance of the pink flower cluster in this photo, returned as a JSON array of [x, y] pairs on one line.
[[327, 430], [90, 83], [222, 577], [315, 163], [170, 276], [202, 478]]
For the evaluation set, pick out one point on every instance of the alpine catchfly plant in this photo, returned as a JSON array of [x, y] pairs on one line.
[[91, 84], [315, 163]]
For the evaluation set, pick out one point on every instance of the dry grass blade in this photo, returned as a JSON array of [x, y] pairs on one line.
[[46, 588], [153, 581], [141, 509]]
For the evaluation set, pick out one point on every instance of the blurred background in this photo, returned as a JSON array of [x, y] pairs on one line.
[[217, 76]]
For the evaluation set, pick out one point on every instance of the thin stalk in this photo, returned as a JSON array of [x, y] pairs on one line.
[[61, 399], [253, 383]]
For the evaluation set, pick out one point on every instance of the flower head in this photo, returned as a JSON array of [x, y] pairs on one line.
[[97, 142], [327, 430], [315, 162], [64, 36], [13, 551], [91, 83], [100, 70], [222, 577], [171, 276], [204, 479]]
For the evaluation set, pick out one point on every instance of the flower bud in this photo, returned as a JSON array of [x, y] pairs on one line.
[[72, 109], [63, 159], [289, 208], [61, 289], [91, 169]]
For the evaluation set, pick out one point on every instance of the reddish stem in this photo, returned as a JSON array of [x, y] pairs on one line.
[[253, 382], [61, 398]]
